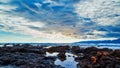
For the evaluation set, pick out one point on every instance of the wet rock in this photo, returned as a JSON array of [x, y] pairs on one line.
[[80, 54], [77, 49], [20, 62], [99, 58], [58, 49], [26, 56], [62, 56], [94, 59], [50, 58], [78, 58], [116, 53], [5, 60], [90, 50], [84, 64], [106, 49]]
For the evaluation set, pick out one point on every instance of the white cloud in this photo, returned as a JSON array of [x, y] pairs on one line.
[[7, 7], [16, 24], [99, 32], [53, 3], [38, 5], [19, 24], [5, 1], [98, 39], [99, 11], [108, 21]]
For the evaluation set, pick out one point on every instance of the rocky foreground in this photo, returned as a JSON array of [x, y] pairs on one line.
[[28, 56]]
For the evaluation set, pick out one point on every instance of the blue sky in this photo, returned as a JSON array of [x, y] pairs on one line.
[[59, 20]]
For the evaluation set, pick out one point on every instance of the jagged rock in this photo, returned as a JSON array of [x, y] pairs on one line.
[[58, 49], [62, 56]]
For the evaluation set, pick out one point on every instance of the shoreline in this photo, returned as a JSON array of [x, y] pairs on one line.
[[28, 56]]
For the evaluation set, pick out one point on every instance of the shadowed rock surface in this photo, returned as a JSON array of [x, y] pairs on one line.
[[29, 56], [25, 56], [99, 58]]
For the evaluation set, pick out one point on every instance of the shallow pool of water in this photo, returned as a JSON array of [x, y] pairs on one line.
[[68, 63]]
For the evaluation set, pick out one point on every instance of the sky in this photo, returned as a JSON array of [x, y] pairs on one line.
[[59, 21]]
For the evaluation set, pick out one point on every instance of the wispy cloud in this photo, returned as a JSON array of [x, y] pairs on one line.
[[5, 1], [103, 12], [61, 19]]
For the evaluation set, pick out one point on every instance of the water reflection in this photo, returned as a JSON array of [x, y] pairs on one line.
[[69, 62], [51, 54]]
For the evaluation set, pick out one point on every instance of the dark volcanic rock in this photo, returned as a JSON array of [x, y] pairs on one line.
[[62, 56], [116, 53], [99, 58], [58, 49], [77, 49], [26, 56]]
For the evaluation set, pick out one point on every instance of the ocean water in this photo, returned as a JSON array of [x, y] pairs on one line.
[[110, 46], [69, 62], [84, 45]]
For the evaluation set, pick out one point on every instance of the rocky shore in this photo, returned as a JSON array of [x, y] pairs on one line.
[[29, 56]]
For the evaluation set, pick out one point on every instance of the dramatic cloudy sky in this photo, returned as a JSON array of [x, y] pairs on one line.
[[59, 20]]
